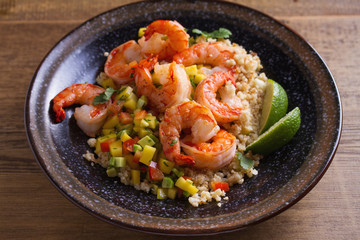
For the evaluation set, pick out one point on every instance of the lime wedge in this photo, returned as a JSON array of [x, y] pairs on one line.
[[277, 135], [274, 105]]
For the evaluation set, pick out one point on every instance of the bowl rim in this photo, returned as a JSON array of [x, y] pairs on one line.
[[175, 232]]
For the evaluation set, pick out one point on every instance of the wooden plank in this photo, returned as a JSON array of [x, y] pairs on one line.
[[47, 215], [19, 59], [64, 10]]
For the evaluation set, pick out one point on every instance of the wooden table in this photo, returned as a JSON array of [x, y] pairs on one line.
[[31, 208]]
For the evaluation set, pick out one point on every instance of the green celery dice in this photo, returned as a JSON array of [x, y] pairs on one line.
[[171, 193], [167, 182], [155, 139], [111, 172], [186, 194], [111, 162], [141, 103], [177, 172], [137, 147], [154, 189], [146, 141], [119, 162], [161, 193]]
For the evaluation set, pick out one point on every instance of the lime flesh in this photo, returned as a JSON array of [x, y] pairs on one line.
[[277, 135], [274, 105]]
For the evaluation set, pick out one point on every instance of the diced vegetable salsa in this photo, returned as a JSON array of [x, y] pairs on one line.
[[130, 138]]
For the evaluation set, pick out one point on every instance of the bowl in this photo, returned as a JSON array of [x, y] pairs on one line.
[[284, 176]]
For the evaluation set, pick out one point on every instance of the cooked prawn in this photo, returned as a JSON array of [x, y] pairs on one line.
[[205, 94], [215, 154], [121, 60], [175, 85], [155, 43], [216, 54], [186, 115], [88, 117]]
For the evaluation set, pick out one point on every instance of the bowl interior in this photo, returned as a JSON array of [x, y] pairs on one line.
[[284, 176]]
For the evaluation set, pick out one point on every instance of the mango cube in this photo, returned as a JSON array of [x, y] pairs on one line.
[[147, 155], [116, 148], [108, 83], [111, 122], [135, 177], [185, 185], [165, 165]]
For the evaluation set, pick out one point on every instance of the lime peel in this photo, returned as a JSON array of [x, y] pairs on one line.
[[274, 106], [277, 135]]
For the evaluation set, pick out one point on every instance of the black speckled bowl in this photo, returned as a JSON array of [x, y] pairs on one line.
[[284, 176]]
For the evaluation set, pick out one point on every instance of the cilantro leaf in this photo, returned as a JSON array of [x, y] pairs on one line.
[[193, 84], [245, 162], [103, 97], [173, 142], [220, 33]]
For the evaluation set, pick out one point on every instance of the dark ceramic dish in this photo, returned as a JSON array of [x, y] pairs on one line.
[[284, 176]]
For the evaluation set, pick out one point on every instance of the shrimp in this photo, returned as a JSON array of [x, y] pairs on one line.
[[174, 88], [205, 94], [88, 117], [155, 43], [215, 154], [216, 54], [121, 61], [186, 115]]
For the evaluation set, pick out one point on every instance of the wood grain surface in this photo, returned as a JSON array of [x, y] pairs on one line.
[[31, 208]]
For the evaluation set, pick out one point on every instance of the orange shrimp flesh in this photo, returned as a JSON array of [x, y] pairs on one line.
[[215, 154], [121, 61], [215, 54], [82, 94], [186, 115], [205, 94], [175, 90], [176, 39]]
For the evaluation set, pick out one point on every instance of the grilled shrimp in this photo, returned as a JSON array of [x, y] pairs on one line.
[[186, 115], [88, 117], [155, 43], [216, 54], [205, 94], [215, 154], [120, 62], [174, 89]]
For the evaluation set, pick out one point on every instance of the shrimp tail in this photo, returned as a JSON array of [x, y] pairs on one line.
[[184, 160], [231, 78], [60, 115], [149, 62]]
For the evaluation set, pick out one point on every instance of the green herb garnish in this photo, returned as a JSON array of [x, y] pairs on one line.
[[158, 85], [192, 41], [220, 33], [193, 84], [103, 97], [121, 90], [245, 163], [173, 142]]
